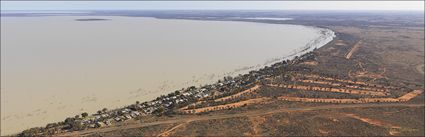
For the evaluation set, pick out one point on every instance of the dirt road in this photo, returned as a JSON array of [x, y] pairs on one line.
[[420, 68], [135, 124], [355, 48]]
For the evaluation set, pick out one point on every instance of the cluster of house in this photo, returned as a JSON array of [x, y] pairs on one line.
[[181, 98], [186, 96], [107, 118], [175, 99]]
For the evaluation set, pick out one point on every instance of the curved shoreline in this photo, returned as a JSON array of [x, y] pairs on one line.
[[317, 43], [327, 36]]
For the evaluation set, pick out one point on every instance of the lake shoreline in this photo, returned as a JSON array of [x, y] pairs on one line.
[[328, 36]]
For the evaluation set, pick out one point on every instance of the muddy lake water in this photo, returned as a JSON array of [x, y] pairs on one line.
[[53, 67]]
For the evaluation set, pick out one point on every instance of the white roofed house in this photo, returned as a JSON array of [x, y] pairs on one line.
[[118, 119], [92, 125], [187, 94], [179, 100], [86, 121], [127, 116], [150, 110], [133, 115], [151, 103], [97, 117], [125, 111], [104, 115]]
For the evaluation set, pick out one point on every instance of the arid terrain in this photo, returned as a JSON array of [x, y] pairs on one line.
[[368, 81]]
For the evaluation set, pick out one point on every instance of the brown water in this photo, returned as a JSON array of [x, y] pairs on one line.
[[54, 67]]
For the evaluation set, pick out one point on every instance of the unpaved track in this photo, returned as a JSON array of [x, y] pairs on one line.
[[167, 133], [355, 48], [420, 68], [224, 116]]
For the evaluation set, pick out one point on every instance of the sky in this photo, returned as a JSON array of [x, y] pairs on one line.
[[212, 5]]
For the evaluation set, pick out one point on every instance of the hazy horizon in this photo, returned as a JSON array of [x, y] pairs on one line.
[[213, 5]]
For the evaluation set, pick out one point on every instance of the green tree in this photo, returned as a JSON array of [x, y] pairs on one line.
[[31, 132], [84, 114], [160, 110], [77, 125], [69, 120], [177, 92]]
